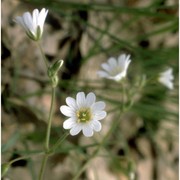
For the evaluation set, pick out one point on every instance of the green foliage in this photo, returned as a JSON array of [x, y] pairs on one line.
[[150, 105]]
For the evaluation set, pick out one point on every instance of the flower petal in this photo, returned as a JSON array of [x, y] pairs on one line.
[[112, 62], [20, 21], [96, 125], [75, 130], [88, 103], [87, 131], [119, 76], [169, 85], [27, 18], [67, 111], [123, 61], [33, 24], [69, 123], [103, 74], [90, 99], [166, 82], [168, 74], [106, 67], [71, 103], [98, 106], [166, 78], [127, 64], [115, 69], [100, 115], [80, 99], [35, 15], [42, 17]]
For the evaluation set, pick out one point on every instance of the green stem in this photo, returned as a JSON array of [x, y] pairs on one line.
[[52, 102], [115, 125], [81, 170], [42, 53], [23, 157], [59, 141], [123, 94], [50, 119], [48, 132], [48, 151], [43, 165], [6, 166], [111, 130]]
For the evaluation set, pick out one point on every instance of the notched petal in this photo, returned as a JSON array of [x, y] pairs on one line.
[[87, 131], [67, 111]]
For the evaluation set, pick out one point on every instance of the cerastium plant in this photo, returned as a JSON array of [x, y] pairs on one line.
[[83, 112], [33, 25]]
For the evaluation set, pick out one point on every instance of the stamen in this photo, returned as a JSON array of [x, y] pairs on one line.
[[83, 115]]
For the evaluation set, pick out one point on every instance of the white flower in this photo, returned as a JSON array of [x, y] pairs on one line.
[[115, 69], [166, 78], [84, 114], [33, 24]]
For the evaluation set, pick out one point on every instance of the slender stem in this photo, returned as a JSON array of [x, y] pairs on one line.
[[59, 141], [115, 125], [112, 129], [47, 135], [50, 120], [52, 102], [123, 94], [48, 132], [42, 53], [6, 166], [43, 166], [82, 169], [23, 157]]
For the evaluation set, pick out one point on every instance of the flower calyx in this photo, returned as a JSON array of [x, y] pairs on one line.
[[53, 71]]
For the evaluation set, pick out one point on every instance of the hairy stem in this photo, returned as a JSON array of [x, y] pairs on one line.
[[43, 55], [81, 170], [43, 165], [50, 119]]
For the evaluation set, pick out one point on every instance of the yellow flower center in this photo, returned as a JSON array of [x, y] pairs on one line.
[[83, 115]]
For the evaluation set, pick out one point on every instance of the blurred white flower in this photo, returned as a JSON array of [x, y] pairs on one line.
[[166, 78], [84, 114], [33, 24], [115, 69]]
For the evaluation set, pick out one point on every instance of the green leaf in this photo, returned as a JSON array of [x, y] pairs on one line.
[[11, 142]]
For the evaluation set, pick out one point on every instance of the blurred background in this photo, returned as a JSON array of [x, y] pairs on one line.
[[85, 33]]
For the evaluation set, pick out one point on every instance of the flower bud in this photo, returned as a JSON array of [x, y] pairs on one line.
[[53, 70], [56, 66]]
